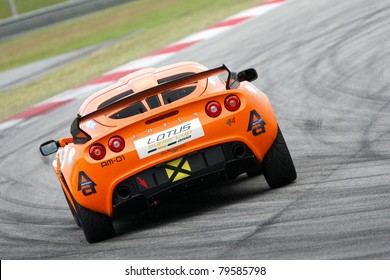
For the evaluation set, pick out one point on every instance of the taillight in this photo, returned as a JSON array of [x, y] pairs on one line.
[[97, 151], [232, 103], [213, 109], [116, 144]]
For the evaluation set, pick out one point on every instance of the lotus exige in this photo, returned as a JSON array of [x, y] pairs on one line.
[[157, 132]]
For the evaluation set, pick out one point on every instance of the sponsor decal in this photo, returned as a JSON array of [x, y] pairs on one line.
[[169, 138], [173, 150], [256, 123], [231, 121], [112, 161], [178, 169], [85, 184]]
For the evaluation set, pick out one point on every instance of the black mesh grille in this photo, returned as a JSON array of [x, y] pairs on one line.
[[132, 186], [228, 151]]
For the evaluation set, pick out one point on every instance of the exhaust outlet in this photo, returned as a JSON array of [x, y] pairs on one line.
[[124, 193], [239, 151]]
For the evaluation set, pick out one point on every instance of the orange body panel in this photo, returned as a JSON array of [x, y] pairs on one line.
[[92, 182]]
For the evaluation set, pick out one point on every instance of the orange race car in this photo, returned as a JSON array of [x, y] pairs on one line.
[[158, 132]]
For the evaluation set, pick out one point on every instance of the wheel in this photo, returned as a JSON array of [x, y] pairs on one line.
[[74, 214], [96, 226], [278, 167]]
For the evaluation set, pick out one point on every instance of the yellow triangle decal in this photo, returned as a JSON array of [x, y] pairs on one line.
[[169, 172], [186, 166], [175, 163], [180, 176]]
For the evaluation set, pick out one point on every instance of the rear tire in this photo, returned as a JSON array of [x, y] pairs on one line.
[[278, 166], [96, 226]]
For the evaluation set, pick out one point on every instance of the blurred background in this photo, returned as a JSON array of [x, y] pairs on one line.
[[13, 8], [75, 41], [22, 15]]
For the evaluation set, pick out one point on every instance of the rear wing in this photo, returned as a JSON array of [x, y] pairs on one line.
[[233, 79]]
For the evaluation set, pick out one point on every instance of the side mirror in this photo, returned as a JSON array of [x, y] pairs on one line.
[[247, 75], [49, 147]]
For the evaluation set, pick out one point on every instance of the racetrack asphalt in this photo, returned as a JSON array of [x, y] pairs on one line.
[[325, 66]]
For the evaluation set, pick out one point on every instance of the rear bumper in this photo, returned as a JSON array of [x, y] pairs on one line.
[[207, 167]]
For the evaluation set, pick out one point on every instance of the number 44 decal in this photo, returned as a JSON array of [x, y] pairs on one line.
[[256, 123]]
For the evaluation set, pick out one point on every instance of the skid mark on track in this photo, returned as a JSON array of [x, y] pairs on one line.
[[263, 226]]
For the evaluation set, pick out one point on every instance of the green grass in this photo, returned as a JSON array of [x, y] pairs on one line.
[[91, 29], [159, 22], [24, 6], [5, 10]]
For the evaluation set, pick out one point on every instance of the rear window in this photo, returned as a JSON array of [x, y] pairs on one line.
[[115, 98], [173, 95], [132, 110]]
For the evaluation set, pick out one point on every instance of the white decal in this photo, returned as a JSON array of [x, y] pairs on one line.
[[213, 81], [71, 155], [91, 124], [252, 89], [54, 163], [63, 156], [169, 138]]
